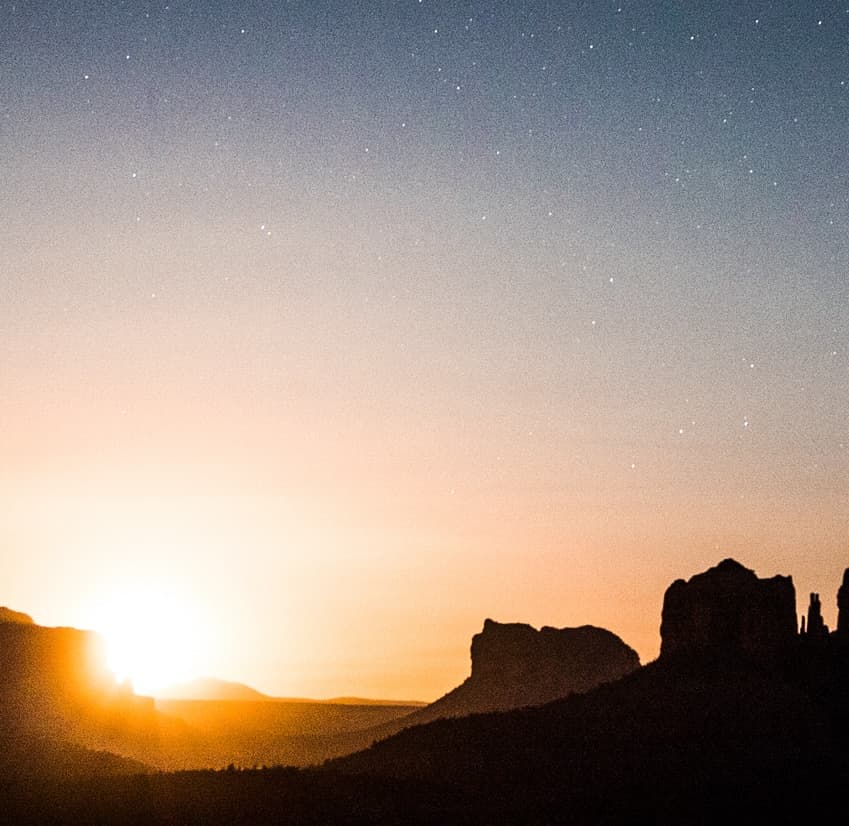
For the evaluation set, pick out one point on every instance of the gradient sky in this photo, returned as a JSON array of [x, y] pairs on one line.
[[354, 323]]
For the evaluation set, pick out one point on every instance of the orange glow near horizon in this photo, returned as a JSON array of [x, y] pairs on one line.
[[153, 638]]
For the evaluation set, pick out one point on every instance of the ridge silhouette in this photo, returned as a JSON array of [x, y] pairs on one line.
[[742, 719]]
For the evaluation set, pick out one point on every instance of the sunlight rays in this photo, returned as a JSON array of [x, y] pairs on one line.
[[153, 635]]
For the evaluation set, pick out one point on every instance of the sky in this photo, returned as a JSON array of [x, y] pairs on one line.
[[346, 325]]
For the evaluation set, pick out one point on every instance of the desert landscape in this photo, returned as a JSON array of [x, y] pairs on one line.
[[424, 412]]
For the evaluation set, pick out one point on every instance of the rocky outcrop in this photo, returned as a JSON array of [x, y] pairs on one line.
[[557, 661], [843, 606], [514, 665], [8, 615], [728, 610], [51, 663], [54, 682], [815, 627]]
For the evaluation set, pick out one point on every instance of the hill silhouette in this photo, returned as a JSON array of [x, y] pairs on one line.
[[54, 685], [210, 688], [274, 732], [741, 720], [366, 701], [513, 665], [55, 680]]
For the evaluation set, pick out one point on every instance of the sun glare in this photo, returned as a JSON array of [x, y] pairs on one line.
[[153, 638]]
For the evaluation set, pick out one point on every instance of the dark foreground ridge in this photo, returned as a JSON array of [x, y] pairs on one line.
[[740, 720]]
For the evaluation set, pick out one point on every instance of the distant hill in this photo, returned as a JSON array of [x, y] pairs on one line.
[[262, 732], [210, 688], [55, 686], [361, 701]]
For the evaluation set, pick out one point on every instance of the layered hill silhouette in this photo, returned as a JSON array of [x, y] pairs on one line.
[[55, 686], [55, 680], [211, 688], [512, 665], [742, 719]]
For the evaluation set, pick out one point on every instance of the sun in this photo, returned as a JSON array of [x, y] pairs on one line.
[[153, 637]]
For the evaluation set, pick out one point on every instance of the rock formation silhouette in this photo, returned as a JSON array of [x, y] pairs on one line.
[[740, 720], [514, 665], [54, 684], [843, 606], [51, 666], [8, 615], [815, 627], [758, 737], [729, 611]]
